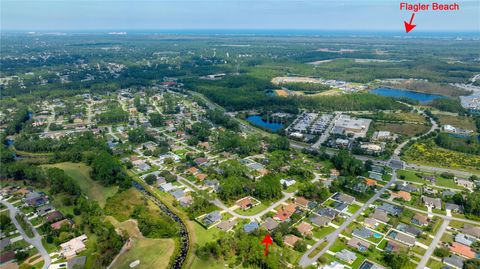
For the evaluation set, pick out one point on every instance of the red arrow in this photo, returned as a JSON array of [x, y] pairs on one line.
[[267, 241], [408, 25]]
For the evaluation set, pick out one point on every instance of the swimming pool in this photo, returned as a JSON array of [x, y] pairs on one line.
[[377, 235]]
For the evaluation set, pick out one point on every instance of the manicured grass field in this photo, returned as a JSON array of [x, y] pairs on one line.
[[254, 210], [203, 235], [80, 172], [152, 253], [320, 233]]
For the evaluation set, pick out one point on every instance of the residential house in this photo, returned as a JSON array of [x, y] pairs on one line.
[[192, 170], [432, 202], [370, 182], [270, 224], [177, 194], [290, 240], [305, 228], [320, 221], [301, 201], [345, 198], [226, 225], [409, 229], [287, 182], [250, 227], [370, 223], [464, 239], [285, 212], [381, 216], [454, 208], [411, 188], [362, 232], [403, 238], [429, 190], [471, 230], [420, 219], [375, 175], [370, 265], [7, 257], [327, 212], [43, 210], [358, 244], [54, 216], [200, 161], [454, 261], [186, 200], [346, 256], [402, 195], [462, 250], [201, 176], [245, 203], [391, 209], [465, 183], [160, 181], [339, 206], [167, 187], [4, 242], [61, 223], [430, 179], [70, 249], [212, 218], [36, 199]]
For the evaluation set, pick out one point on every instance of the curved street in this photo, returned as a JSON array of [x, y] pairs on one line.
[[35, 241]]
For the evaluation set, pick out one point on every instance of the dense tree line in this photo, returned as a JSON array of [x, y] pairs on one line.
[[18, 120], [139, 135], [156, 120], [347, 164], [468, 144], [230, 141], [112, 115], [448, 104], [218, 116], [154, 225], [199, 132]]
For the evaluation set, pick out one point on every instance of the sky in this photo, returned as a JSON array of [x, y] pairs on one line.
[[125, 15]]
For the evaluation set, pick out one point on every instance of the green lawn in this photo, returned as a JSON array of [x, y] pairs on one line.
[[152, 253], [434, 264], [322, 232], [254, 210], [410, 176], [203, 235], [449, 183], [80, 172], [353, 208]]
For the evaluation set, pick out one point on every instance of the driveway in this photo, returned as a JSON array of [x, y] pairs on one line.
[[35, 241], [423, 262]]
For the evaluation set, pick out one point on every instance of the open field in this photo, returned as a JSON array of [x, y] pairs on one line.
[[457, 121], [80, 172], [407, 129], [152, 253], [427, 153]]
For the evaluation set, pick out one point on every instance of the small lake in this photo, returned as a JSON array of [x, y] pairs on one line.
[[257, 120], [398, 93]]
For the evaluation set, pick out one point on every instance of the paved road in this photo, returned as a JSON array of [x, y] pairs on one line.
[[305, 260], [423, 262], [36, 240]]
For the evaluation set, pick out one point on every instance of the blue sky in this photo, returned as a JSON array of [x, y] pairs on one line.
[[363, 15]]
